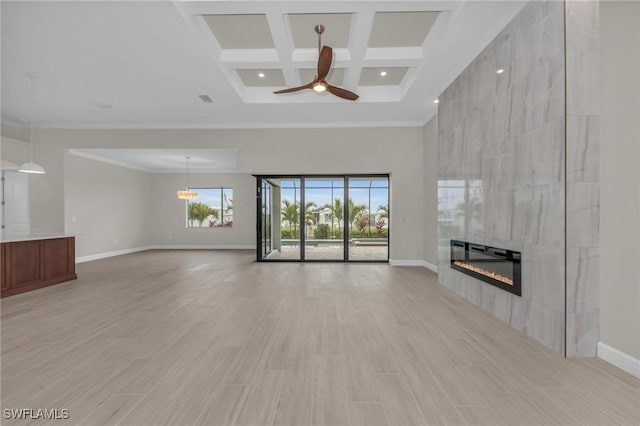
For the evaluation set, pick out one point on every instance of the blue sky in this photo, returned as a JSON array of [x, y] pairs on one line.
[[320, 191], [211, 196]]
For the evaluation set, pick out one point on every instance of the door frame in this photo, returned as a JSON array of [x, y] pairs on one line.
[[302, 177]]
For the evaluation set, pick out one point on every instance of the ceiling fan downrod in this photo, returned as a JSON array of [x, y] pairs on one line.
[[319, 30]]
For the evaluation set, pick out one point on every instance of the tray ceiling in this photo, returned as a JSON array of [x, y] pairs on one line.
[[152, 62], [165, 160]]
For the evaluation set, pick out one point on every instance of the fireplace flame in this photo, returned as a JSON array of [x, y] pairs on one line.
[[484, 272]]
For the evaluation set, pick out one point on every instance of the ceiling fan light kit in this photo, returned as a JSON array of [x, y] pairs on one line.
[[320, 85]]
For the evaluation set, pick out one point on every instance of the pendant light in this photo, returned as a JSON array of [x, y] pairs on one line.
[[186, 194], [31, 167]]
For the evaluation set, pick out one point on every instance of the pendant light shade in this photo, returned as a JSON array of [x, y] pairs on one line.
[[187, 194], [31, 167]]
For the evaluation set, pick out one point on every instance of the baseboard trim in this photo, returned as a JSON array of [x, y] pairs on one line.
[[105, 255], [411, 262], [202, 247], [430, 266], [619, 359], [89, 258], [405, 262]]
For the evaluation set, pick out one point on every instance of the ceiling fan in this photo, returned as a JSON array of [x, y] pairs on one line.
[[319, 84]]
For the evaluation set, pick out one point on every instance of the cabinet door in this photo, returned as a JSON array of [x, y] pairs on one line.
[[24, 259], [56, 258], [4, 278]]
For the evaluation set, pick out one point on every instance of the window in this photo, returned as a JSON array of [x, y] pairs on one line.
[[212, 208]]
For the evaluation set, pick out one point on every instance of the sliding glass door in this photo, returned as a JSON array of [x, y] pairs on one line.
[[265, 219], [368, 218], [279, 219], [323, 218]]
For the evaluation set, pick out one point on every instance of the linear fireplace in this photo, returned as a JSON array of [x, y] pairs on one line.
[[496, 266]]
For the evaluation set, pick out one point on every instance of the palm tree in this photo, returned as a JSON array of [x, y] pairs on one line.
[[384, 210], [355, 211], [310, 213], [291, 214], [228, 202], [200, 212], [337, 212]]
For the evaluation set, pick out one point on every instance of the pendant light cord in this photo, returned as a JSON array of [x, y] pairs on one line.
[[31, 117], [187, 188]]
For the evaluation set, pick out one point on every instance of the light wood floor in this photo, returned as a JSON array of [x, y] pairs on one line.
[[366, 253], [211, 338]]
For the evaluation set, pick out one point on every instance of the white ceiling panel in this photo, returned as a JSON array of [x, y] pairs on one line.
[[389, 76], [261, 78], [240, 31], [336, 33], [401, 29]]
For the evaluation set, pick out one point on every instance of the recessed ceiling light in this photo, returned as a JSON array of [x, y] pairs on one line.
[[261, 75], [500, 71], [436, 101], [383, 73]]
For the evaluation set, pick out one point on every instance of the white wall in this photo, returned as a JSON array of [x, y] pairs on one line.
[[167, 224], [108, 208], [620, 177], [46, 192], [430, 191], [397, 151], [15, 198], [15, 212]]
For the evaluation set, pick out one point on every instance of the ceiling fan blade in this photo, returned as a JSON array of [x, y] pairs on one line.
[[324, 62], [294, 89], [343, 93]]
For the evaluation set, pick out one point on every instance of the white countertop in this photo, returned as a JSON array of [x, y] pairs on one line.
[[12, 238]]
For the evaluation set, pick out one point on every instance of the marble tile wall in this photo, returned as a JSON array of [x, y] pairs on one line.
[[501, 177], [583, 188], [518, 169]]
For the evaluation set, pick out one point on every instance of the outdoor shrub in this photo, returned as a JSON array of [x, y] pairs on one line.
[[322, 232], [288, 234]]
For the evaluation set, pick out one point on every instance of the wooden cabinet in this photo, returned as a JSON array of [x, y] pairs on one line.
[[32, 264], [4, 282]]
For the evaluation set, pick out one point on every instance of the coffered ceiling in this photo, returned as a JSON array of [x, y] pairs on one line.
[[151, 62], [394, 38]]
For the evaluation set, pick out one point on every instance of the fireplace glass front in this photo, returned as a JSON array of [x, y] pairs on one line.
[[496, 266]]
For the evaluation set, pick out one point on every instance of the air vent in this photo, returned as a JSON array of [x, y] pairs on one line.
[[206, 99]]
